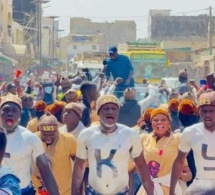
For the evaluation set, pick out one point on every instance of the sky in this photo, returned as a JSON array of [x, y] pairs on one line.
[[110, 10]]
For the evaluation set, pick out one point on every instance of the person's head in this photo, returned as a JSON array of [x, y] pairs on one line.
[[10, 108], [154, 168], [48, 87], [206, 105], [113, 52], [188, 113], [129, 94], [107, 107], [39, 107], [87, 74], [173, 105], [104, 62], [65, 84], [48, 126], [89, 91], [11, 88], [183, 76], [160, 120], [3, 143], [144, 120], [57, 109], [188, 96], [27, 100], [201, 187], [173, 94], [71, 96], [72, 114]]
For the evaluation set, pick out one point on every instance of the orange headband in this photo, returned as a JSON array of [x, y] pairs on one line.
[[159, 111]]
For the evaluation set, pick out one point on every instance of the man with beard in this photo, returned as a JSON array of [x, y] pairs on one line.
[[60, 148], [23, 148], [108, 148], [200, 138]]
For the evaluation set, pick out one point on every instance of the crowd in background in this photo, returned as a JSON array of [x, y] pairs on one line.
[[99, 139]]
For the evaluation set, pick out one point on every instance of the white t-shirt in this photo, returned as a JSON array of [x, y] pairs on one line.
[[76, 131], [202, 142], [23, 147], [108, 156]]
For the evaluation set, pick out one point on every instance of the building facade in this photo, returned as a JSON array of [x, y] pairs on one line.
[[113, 33], [80, 43], [163, 26]]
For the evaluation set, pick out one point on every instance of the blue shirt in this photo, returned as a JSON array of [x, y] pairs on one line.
[[120, 67]]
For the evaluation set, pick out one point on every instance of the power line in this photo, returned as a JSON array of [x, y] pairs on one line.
[[144, 16]]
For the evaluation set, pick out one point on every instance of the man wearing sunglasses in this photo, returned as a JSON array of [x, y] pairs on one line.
[[119, 66]]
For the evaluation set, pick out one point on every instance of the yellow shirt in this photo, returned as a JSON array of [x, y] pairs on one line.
[[60, 160], [160, 163], [33, 125]]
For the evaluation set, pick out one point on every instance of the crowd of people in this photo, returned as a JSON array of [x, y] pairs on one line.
[[99, 140]]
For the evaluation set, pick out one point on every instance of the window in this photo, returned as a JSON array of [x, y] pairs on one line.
[[74, 47], [94, 47]]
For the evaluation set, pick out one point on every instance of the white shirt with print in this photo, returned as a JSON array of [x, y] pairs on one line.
[[202, 142], [23, 147], [108, 156]]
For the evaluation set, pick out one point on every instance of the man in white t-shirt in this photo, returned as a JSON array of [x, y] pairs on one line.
[[23, 148], [200, 138], [72, 119], [108, 148]]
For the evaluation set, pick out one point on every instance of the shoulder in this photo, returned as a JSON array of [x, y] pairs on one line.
[[67, 136], [146, 136], [28, 136], [89, 131], [33, 121], [176, 137], [194, 129], [122, 56], [126, 130]]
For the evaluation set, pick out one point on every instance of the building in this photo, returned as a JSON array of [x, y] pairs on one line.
[[163, 26], [155, 13], [113, 33], [25, 14], [6, 61], [78, 44]]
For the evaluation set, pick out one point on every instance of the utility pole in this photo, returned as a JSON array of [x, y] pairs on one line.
[[39, 23], [53, 37], [210, 35]]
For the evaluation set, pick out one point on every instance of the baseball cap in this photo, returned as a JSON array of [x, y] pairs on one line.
[[112, 50]]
